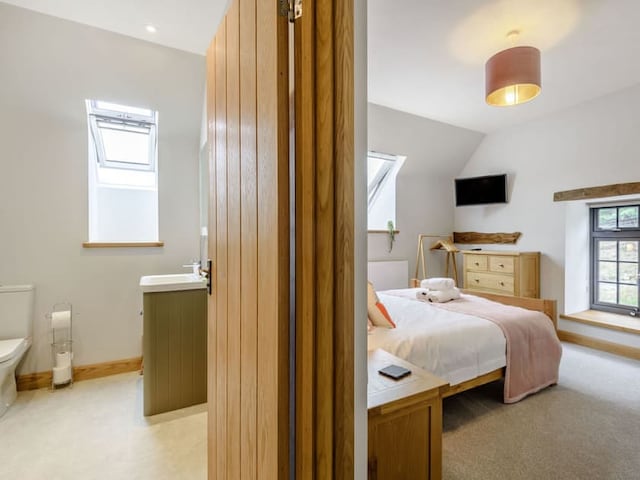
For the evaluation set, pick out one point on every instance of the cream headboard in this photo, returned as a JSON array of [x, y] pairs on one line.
[[388, 275]]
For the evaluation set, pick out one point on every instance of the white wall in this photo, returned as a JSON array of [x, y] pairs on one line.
[[435, 152], [595, 143], [48, 67]]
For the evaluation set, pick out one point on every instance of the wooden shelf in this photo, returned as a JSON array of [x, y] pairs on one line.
[[121, 244]]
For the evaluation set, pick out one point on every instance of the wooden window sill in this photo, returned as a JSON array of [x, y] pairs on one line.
[[612, 321], [121, 244], [395, 232]]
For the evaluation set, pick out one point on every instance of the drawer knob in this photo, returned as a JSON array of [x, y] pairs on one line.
[[502, 284], [476, 264], [477, 280], [501, 265]]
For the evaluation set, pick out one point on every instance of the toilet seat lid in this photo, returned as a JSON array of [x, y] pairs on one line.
[[8, 348]]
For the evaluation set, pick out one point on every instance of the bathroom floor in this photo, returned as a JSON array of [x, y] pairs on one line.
[[96, 430]]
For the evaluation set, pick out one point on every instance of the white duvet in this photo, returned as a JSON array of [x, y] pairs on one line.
[[453, 346]]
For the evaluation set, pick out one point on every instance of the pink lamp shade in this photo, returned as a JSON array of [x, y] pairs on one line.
[[512, 76]]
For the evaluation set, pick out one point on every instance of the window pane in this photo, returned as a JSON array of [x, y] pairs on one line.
[[628, 251], [628, 273], [607, 271], [607, 250], [628, 217], [628, 295], [607, 292], [123, 108], [125, 146], [607, 218]]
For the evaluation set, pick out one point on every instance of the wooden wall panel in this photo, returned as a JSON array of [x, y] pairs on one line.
[[248, 322], [212, 444], [234, 298], [221, 248], [305, 244], [249, 252], [324, 239], [345, 241]]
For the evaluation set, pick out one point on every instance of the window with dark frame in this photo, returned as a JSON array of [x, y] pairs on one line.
[[615, 237]]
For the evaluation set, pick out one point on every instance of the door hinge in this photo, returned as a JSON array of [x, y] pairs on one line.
[[291, 9]]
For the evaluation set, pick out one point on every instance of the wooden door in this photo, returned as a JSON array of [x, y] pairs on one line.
[[324, 120], [247, 96], [247, 105]]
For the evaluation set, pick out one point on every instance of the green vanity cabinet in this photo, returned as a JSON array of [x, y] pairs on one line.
[[174, 349]]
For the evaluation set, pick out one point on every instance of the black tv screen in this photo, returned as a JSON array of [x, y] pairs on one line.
[[481, 190]]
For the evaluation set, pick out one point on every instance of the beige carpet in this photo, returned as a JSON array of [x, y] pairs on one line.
[[586, 427]]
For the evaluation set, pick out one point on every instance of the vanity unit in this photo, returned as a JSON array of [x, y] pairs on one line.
[[174, 342], [504, 273]]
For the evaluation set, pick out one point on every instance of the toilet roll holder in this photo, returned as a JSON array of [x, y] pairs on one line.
[[61, 318]]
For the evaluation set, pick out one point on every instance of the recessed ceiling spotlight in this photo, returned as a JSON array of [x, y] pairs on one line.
[[151, 29]]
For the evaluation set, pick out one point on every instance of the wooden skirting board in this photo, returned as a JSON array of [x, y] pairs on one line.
[[33, 381], [597, 344]]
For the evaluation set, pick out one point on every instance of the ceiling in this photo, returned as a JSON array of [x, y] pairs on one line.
[[427, 57], [183, 24]]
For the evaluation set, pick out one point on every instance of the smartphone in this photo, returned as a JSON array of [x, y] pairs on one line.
[[394, 371]]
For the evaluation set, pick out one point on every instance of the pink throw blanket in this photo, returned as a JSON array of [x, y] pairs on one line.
[[533, 348]]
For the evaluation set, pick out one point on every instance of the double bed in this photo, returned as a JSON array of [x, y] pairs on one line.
[[462, 341]]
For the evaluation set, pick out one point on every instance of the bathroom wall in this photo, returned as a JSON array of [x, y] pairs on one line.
[[48, 67]]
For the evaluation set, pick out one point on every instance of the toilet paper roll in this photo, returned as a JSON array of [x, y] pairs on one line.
[[61, 319], [63, 359], [61, 375]]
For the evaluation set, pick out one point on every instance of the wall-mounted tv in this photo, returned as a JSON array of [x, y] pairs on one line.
[[481, 190]]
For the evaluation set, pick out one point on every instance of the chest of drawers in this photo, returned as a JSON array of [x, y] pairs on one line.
[[505, 273]]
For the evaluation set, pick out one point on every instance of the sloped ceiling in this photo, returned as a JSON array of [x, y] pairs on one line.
[[183, 24], [427, 57]]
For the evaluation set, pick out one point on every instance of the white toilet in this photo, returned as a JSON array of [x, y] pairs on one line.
[[16, 328]]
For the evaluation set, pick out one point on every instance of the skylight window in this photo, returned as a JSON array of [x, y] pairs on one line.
[[123, 137], [123, 173], [382, 169]]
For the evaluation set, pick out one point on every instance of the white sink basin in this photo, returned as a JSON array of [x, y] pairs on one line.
[[172, 282]]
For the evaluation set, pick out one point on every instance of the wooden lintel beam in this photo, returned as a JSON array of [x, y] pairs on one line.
[[602, 191]]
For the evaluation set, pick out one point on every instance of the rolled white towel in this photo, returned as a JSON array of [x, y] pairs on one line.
[[423, 295], [437, 283], [441, 296]]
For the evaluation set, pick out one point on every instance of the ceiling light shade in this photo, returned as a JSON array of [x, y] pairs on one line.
[[512, 76]]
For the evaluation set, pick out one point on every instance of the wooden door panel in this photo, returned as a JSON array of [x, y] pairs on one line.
[[248, 317], [324, 240], [249, 247]]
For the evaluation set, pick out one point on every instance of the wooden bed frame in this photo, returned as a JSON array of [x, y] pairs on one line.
[[546, 306]]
